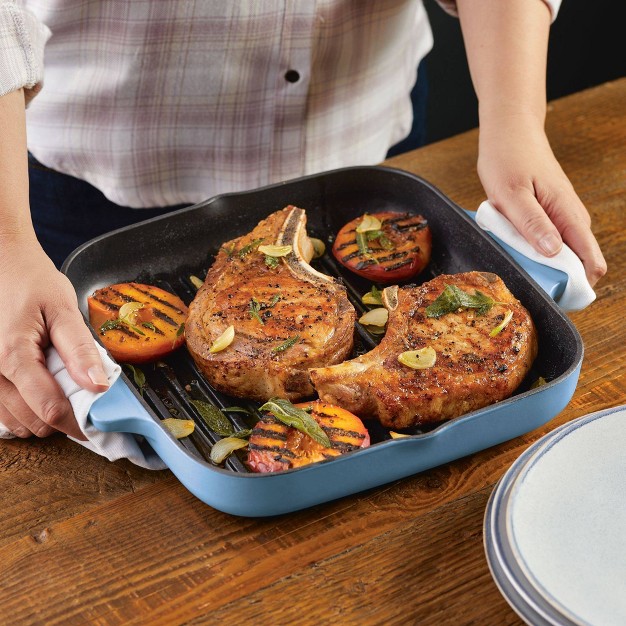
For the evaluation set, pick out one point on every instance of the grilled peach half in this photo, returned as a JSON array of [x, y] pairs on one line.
[[385, 247], [274, 447], [137, 323]]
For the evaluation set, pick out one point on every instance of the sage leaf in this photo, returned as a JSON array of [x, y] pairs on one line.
[[214, 418], [138, 376], [299, 419], [452, 299], [253, 245]]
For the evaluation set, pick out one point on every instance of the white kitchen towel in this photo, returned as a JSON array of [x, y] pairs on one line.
[[113, 446], [578, 292]]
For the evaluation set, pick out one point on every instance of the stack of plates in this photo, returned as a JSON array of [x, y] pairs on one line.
[[555, 526]]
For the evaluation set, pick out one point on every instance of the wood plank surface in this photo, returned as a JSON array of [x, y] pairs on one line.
[[85, 541]]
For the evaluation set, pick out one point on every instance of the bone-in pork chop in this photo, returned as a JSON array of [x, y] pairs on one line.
[[480, 357], [287, 317]]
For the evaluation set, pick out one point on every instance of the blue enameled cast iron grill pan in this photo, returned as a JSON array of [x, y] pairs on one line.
[[167, 250]]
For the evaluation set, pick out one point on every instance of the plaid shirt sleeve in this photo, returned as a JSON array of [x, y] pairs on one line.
[[22, 41]]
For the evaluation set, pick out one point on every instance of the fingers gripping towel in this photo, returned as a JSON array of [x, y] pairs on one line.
[[578, 292], [113, 446]]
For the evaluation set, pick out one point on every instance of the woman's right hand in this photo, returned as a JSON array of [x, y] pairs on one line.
[[38, 307]]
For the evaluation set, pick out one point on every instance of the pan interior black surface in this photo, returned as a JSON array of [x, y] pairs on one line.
[[169, 250]]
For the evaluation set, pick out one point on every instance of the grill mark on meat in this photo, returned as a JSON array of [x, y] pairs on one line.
[[151, 296], [311, 305]]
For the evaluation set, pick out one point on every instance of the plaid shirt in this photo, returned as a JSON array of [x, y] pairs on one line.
[[165, 102]]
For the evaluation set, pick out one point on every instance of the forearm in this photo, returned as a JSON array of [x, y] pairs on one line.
[[14, 203], [506, 43]]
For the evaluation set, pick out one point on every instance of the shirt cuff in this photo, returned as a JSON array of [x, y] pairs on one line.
[[22, 41], [449, 6]]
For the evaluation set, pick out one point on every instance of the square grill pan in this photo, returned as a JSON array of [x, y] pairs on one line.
[[166, 251]]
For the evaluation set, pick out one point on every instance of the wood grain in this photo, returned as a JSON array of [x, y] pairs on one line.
[[85, 541]]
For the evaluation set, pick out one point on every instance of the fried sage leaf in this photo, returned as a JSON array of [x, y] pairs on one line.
[[299, 419], [214, 418], [138, 376], [253, 245], [452, 299]]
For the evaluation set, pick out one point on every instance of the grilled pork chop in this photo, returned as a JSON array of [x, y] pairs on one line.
[[287, 316], [472, 369]]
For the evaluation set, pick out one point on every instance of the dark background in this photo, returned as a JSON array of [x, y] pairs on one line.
[[587, 47]]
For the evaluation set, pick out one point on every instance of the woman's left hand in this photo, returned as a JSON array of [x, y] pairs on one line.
[[525, 182]]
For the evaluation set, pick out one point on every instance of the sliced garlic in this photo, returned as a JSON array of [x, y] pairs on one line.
[[375, 317], [319, 247], [372, 298], [178, 428], [196, 282], [502, 325], [223, 448], [395, 435], [128, 311], [275, 251], [369, 222], [418, 359], [223, 341]]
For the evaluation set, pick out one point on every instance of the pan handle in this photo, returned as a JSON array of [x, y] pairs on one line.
[[118, 410], [551, 280]]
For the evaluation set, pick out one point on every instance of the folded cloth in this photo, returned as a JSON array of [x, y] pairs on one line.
[[113, 446], [578, 292]]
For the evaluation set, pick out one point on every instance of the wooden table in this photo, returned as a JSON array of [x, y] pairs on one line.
[[83, 540]]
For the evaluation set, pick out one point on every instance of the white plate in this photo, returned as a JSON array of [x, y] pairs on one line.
[[555, 527]]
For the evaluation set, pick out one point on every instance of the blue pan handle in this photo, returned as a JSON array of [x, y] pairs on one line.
[[551, 280], [118, 410]]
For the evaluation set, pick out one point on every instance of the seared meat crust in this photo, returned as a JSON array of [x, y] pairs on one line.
[[472, 369], [293, 301]]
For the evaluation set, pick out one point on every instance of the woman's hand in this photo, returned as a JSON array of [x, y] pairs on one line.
[[506, 44], [39, 307], [524, 181]]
